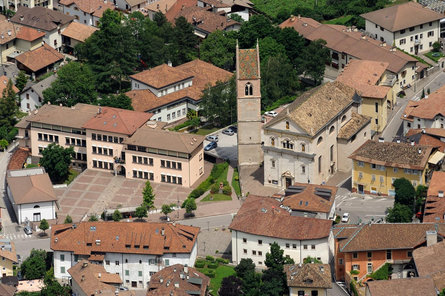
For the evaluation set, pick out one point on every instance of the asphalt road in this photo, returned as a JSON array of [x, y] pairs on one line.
[[209, 222], [227, 146]]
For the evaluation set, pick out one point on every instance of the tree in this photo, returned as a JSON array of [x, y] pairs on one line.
[[56, 160], [274, 277], [21, 80], [244, 267], [166, 209], [75, 83], [399, 214], [93, 218], [184, 43], [52, 286], [3, 144], [140, 212], [251, 280], [34, 266], [405, 192], [310, 259], [117, 216], [258, 27], [315, 58], [44, 225], [216, 101], [117, 101], [230, 286], [436, 46], [219, 49], [8, 108], [295, 47], [190, 205], [269, 47], [148, 196], [68, 220]]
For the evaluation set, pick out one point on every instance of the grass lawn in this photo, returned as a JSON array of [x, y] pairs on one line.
[[235, 182], [435, 56], [32, 165], [205, 131], [223, 176], [221, 271], [217, 197], [72, 176], [340, 20]]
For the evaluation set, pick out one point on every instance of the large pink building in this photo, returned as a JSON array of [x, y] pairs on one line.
[[116, 140]]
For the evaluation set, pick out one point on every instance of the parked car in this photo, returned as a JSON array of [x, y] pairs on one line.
[[345, 218], [228, 132], [213, 138], [210, 146], [271, 113], [234, 128], [28, 230], [19, 259], [122, 288]]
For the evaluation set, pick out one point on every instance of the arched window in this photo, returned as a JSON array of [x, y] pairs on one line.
[[331, 130], [343, 118], [303, 147], [320, 139], [248, 89], [288, 144], [287, 124], [272, 141], [36, 206]]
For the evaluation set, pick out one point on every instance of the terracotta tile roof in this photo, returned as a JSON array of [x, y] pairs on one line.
[[92, 278], [427, 108], [248, 64], [178, 280], [79, 31], [309, 199], [204, 73], [216, 3], [363, 76], [387, 236], [402, 16], [408, 109], [402, 287], [39, 58], [263, 216], [160, 5], [308, 276], [7, 249], [94, 7], [353, 126], [161, 76], [18, 158], [309, 110], [134, 3], [31, 189], [425, 139], [435, 206], [7, 290], [342, 39], [7, 31], [437, 183], [41, 18], [152, 137], [303, 25], [430, 260], [144, 100], [74, 117], [342, 231], [150, 238], [400, 155], [177, 7], [28, 34], [4, 82], [117, 120]]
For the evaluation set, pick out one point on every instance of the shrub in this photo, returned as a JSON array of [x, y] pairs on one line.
[[227, 190], [182, 125], [200, 264], [353, 288], [212, 265], [354, 272], [337, 219], [210, 273], [210, 258], [218, 169], [383, 273], [215, 188], [201, 189], [222, 260]]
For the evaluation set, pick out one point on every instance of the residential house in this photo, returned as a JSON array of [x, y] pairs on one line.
[[129, 6], [39, 61], [308, 279], [429, 263], [49, 21], [243, 8], [134, 251], [261, 221], [8, 257], [428, 136], [169, 92], [156, 6], [91, 279], [368, 78], [309, 200], [376, 165], [117, 141], [401, 287], [74, 34], [409, 26], [31, 96], [4, 83], [346, 44], [435, 201], [31, 194], [363, 249], [426, 113], [87, 12], [178, 280], [306, 144], [9, 70]]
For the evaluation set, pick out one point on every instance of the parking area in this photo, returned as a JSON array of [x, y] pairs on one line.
[[227, 146]]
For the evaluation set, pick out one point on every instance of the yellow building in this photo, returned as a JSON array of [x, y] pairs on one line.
[[8, 257], [374, 84], [376, 165]]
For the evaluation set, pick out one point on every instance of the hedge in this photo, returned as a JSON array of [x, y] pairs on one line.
[[227, 190], [200, 264], [213, 265], [215, 187], [210, 273], [222, 260], [216, 172], [210, 258]]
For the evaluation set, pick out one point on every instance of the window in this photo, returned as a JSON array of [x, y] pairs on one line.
[[360, 163], [402, 41], [260, 242], [167, 262], [260, 253], [343, 119], [355, 267], [430, 23], [409, 254], [294, 246], [116, 262], [320, 139], [287, 246], [421, 26], [272, 163], [303, 147], [248, 89], [382, 180], [331, 130], [127, 272], [62, 269], [430, 33], [287, 124], [305, 247], [369, 267], [411, 29], [421, 36], [410, 50], [376, 121], [244, 240], [319, 164], [272, 141], [288, 145], [107, 262], [253, 252], [313, 247], [331, 153], [369, 254], [388, 255], [62, 257], [245, 251], [376, 107], [139, 273], [340, 261], [314, 293], [303, 169], [402, 31], [355, 255]]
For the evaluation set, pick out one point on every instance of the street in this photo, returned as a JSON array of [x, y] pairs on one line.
[[209, 222]]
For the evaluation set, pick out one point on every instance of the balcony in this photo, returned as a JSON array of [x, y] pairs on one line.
[[119, 160], [416, 42]]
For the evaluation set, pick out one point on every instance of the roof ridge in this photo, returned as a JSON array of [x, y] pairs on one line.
[[352, 237]]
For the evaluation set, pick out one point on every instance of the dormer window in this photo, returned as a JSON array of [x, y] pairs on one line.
[[248, 89]]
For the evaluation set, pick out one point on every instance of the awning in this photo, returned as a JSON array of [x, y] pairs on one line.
[[436, 157]]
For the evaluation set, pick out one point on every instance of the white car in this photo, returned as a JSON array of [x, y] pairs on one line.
[[212, 138], [271, 113], [345, 218]]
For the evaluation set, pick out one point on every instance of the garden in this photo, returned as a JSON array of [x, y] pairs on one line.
[[216, 269]]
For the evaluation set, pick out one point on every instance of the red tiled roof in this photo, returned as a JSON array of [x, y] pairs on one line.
[[18, 158], [427, 108], [78, 31], [309, 201], [39, 58], [435, 205], [4, 82], [28, 34], [161, 76]]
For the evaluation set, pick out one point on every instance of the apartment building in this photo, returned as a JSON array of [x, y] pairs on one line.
[[117, 141], [346, 44], [376, 165], [31, 97], [261, 221], [408, 26], [306, 144], [135, 251]]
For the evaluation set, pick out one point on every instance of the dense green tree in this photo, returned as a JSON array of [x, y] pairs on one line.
[[315, 58], [57, 160], [310, 259], [251, 280], [68, 220], [405, 192], [274, 278], [117, 101], [93, 218], [8, 108], [117, 216], [258, 27], [399, 214], [74, 84], [148, 197], [421, 193], [166, 209], [3, 144], [44, 225], [219, 49], [218, 103], [244, 267], [269, 47], [34, 267], [52, 286], [183, 47], [21, 80], [295, 47], [140, 212], [190, 205], [230, 286]]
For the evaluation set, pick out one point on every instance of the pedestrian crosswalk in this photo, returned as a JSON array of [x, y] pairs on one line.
[[15, 236]]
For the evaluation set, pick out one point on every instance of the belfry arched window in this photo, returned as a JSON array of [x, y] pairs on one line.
[[248, 90]]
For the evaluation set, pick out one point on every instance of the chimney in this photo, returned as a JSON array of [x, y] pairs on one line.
[[99, 275], [440, 194], [420, 151], [21, 18], [398, 141], [176, 285], [186, 269], [82, 278], [99, 110], [423, 131], [169, 63], [162, 232], [381, 140], [412, 142], [431, 237]]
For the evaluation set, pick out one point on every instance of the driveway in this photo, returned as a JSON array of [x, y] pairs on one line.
[[227, 146]]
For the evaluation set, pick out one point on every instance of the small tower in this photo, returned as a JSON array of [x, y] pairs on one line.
[[249, 106]]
